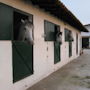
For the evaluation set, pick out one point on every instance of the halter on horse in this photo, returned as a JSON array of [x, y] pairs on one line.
[[26, 31]]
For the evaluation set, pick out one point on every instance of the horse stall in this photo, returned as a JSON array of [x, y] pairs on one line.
[[34, 43], [13, 30]]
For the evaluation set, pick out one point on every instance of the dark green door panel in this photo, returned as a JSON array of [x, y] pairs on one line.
[[85, 42], [21, 51], [22, 60], [66, 31], [49, 31], [76, 43], [56, 52], [6, 22], [70, 49]]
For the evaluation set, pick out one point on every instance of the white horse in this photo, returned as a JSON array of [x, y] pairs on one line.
[[26, 31], [58, 36]]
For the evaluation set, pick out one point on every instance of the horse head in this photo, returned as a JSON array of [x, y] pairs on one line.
[[26, 31]]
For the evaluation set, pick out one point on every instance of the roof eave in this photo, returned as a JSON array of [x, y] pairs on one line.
[[59, 10]]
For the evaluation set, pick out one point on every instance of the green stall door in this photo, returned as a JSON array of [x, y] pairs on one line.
[[6, 22], [21, 51], [56, 52], [76, 43], [70, 49], [22, 60], [49, 31]]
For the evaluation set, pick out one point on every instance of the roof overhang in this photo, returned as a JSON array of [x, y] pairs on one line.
[[56, 8], [87, 25]]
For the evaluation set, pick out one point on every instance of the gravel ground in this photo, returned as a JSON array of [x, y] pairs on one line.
[[73, 76]]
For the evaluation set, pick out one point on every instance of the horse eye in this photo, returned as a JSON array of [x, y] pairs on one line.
[[24, 28]]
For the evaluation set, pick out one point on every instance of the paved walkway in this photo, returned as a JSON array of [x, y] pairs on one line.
[[73, 76]]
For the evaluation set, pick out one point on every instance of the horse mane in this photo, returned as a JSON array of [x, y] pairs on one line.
[[29, 23]]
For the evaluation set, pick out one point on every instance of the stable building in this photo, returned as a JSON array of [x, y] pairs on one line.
[[86, 37], [26, 56]]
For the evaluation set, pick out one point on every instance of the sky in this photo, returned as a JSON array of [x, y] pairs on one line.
[[80, 8]]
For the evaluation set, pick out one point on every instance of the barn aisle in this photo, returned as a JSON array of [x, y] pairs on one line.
[[73, 76]]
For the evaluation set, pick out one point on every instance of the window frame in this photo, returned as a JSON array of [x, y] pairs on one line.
[[55, 25], [67, 37]]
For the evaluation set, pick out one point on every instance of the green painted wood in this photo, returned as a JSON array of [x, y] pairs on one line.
[[22, 60], [70, 49], [57, 50], [6, 22], [22, 52], [76, 43], [85, 42], [66, 35], [49, 31]]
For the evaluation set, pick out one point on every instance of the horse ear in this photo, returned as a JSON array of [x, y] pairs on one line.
[[23, 21]]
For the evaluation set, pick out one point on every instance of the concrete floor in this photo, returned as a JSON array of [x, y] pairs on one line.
[[73, 76]]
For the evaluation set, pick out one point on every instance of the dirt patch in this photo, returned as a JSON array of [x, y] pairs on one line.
[[80, 81], [76, 77], [83, 65], [87, 77]]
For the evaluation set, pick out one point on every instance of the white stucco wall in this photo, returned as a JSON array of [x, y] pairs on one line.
[[43, 65], [85, 34]]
